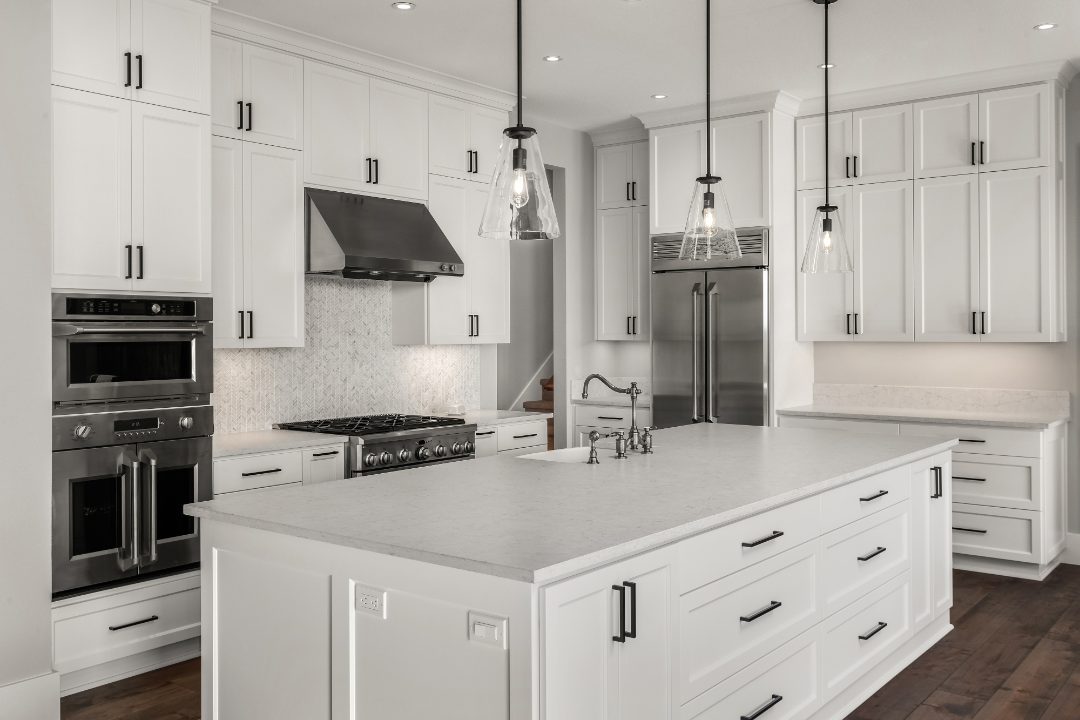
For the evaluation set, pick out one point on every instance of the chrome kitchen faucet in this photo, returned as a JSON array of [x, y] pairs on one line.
[[634, 435]]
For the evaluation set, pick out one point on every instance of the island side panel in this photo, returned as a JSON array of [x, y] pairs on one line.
[[349, 634]]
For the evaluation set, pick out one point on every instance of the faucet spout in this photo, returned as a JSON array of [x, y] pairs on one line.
[[601, 378]]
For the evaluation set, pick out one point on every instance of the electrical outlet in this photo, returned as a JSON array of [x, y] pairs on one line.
[[371, 601], [487, 629]]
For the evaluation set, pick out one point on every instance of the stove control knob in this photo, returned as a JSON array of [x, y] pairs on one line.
[[457, 448], [187, 422], [386, 458], [81, 432], [469, 447], [371, 460], [423, 453], [404, 455], [440, 451], [155, 309]]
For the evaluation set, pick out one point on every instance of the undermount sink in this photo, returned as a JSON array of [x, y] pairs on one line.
[[571, 455]]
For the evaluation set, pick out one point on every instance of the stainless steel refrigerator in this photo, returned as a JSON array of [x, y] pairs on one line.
[[710, 334]]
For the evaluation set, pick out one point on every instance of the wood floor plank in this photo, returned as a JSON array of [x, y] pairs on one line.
[[942, 705], [1028, 692], [1066, 705]]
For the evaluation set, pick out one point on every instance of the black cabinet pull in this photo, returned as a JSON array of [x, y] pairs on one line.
[[521, 437], [761, 613], [240, 107], [138, 59], [476, 161], [127, 59], [485, 433], [627, 191], [849, 323], [368, 161], [761, 541], [875, 496], [973, 162], [141, 274], [260, 472], [635, 325], [763, 708], [982, 152], [633, 190], [974, 319], [847, 166], [251, 115], [628, 331], [937, 483], [476, 316], [855, 166], [241, 314], [152, 618], [251, 323], [608, 417], [329, 453], [877, 628], [970, 530], [972, 479], [857, 330], [971, 440], [632, 632], [621, 637], [127, 248], [872, 554], [376, 180], [983, 324]]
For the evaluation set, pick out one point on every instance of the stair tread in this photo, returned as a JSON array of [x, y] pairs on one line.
[[539, 405]]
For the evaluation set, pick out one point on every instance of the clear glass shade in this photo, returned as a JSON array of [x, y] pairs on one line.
[[519, 205], [710, 231], [826, 248]]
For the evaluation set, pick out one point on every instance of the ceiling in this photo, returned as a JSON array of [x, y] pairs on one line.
[[617, 53]]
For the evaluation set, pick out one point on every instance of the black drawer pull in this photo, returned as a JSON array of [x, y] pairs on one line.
[[632, 632], [763, 708], [760, 613], [621, 637], [152, 618], [938, 488], [608, 417], [329, 453], [522, 437], [971, 441], [875, 496], [972, 479], [260, 472], [761, 541], [970, 530], [871, 555], [880, 626], [485, 433]]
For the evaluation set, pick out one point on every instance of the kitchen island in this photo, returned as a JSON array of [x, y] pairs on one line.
[[732, 567]]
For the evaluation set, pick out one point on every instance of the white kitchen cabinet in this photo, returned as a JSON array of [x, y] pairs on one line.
[[882, 245], [1017, 127], [487, 274], [946, 134], [676, 157], [742, 156], [487, 442], [337, 108], [931, 514], [463, 139], [324, 464], [510, 439], [258, 94], [399, 140], [622, 173], [594, 667], [825, 300], [810, 151], [153, 51], [622, 274], [259, 275], [606, 419], [881, 144]]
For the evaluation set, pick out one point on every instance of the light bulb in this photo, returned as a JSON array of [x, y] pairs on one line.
[[519, 191], [708, 222], [826, 241]]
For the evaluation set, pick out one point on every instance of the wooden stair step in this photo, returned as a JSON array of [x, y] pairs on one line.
[[539, 405]]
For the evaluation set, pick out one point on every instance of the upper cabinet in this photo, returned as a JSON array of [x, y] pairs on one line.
[[464, 139], [622, 274], [622, 175], [866, 146], [258, 94], [152, 51], [676, 157], [364, 134]]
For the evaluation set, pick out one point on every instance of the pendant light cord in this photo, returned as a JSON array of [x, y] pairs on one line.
[[519, 63], [827, 3], [708, 88]]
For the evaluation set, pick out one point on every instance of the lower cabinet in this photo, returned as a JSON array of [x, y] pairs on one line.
[[518, 438], [262, 471], [605, 419]]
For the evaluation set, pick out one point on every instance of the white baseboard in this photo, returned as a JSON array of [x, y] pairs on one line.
[[126, 667], [37, 698], [1072, 549], [1007, 568]]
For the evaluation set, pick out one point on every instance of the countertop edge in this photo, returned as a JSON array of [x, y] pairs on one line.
[[289, 441], [885, 416]]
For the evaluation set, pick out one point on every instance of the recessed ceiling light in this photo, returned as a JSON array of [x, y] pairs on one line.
[[403, 5], [659, 96], [826, 66], [553, 58], [1046, 26]]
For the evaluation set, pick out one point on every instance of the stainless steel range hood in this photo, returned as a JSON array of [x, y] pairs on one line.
[[370, 238]]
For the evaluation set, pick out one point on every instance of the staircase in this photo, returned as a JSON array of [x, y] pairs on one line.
[[545, 404]]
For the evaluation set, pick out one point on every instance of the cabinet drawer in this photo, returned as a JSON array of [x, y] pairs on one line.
[[980, 440], [248, 472], [865, 497], [870, 427], [860, 556], [126, 627], [726, 550], [853, 641], [522, 435], [614, 417], [487, 441], [785, 681], [730, 623], [323, 464], [995, 532], [996, 481]]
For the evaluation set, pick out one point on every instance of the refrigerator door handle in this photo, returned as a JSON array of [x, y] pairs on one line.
[[695, 331], [713, 294]]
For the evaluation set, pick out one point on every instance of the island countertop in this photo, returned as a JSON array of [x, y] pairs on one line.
[[538, 522]]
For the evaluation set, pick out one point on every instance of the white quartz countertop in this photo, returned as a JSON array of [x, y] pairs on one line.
[[538, 521], [487, 418], [1028, 420], [612, 401], [264, 441]]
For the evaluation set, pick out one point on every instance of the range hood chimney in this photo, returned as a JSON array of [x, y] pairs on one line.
[[370, 238]]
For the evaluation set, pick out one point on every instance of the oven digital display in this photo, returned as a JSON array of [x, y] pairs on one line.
[[146, 423], [130, 307]]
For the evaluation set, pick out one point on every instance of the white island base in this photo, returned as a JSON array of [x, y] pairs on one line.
[[799, 601]]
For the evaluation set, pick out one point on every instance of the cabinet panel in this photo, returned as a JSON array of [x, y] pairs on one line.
[[248, 472], [615, 269], [640, 283], [485, 137], [947, 259], [998, 481], [824, 300], [810, 153], [399, 139], [273, 84], [448, 139], [324, 464], [227, 87], [614, 173], [859, 557], [91, 188], [173, 38], [1017, 127], [170, 179], [881, 144], [640, 165], [883, 245], [227, 237], [1016, 230], [447, 297], [923, 542], [487, 273], [941, 565], [946, 136], [645, 660], [274, 250], [89, 39], [741, 157], [1001, 533], [336, 117], [677, 156]]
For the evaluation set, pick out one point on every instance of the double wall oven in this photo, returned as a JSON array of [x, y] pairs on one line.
[[132, 426]]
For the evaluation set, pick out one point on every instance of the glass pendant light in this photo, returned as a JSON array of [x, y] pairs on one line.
[[826, 248], [519, 205], [710, 231]]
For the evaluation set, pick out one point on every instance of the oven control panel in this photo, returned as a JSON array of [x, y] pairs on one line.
[[130, 307], [131, 426]]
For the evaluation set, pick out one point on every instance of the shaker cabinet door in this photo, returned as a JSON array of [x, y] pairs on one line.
[[89, 42], [810, 153], [881, 145], [615, 272], [947, 136], [273, 97], [227, 236], [614, 175], [677, 156], [1016, 126], [171, 41], [336, 123], [399, 139], [824, 301], [882, 244]]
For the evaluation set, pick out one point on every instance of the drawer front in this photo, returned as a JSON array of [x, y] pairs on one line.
[[996, 481], [782, 686], [487, 441], [728, 624], [865, 497], [613, 417], [729, 549], [996, 532], [853, 641], [248, 472], [863, 555], [125, 629], [522, 435], [871, 427], [981, 440], [324, 464]]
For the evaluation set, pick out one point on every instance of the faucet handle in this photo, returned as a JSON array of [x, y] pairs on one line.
[[646, 441], [620, 445]]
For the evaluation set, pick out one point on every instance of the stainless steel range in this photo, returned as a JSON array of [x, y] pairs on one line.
[[384, 443]]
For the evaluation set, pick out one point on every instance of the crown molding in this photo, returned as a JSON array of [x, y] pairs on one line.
[[260, 32], [775, 100], [1061, 71], [626, 131]]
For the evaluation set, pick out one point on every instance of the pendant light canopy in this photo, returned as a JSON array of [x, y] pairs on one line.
[[710, 231], [826, 248], [519, 205]]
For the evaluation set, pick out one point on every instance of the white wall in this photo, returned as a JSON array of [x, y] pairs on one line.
[[1036, 366], [25, 424], [531, 313]]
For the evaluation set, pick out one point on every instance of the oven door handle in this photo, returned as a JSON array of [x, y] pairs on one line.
[[126, 554], [66, 329], [152, 510]]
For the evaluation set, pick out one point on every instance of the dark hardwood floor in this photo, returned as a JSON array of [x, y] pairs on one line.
[[1015, 654]]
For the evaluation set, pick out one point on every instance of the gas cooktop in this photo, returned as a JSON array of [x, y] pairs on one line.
[[365, 425]]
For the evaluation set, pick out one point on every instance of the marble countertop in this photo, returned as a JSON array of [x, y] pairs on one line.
[[1026, 420], [488, 418], [264, 441], [539, 522], [612, 401]]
